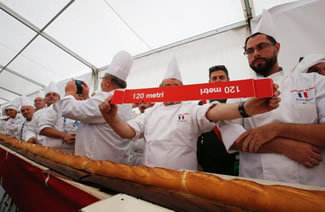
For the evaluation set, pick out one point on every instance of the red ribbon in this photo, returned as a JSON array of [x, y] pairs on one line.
[[224, 90]]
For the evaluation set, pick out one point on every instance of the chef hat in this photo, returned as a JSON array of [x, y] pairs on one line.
[[121, 65], [52, 88], [309, 61], [25, 101], [40, 94], [265, 25], [12, 106], [173, 70]]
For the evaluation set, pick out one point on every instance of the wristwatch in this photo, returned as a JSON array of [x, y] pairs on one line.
[[242, 111]]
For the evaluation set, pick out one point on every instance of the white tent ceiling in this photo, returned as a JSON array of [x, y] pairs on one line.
[[46, 40]]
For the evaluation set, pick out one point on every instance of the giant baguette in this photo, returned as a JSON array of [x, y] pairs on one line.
[[242, 193]]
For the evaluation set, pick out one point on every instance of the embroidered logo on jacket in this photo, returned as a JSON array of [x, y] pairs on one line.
[[304, 96], [182, 117]]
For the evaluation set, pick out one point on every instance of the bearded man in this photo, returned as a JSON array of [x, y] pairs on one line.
[[286, 144]]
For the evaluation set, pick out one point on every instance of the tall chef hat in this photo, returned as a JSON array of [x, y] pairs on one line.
[[51, 88], [25, 101], [265, 25], [173, 70], [121, 65]]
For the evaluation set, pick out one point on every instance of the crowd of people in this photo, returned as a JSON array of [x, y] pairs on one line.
[[265, 138]]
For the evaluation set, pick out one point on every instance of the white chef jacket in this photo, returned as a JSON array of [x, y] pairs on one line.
[[136, 149], [95, 138], [52, 119], [23, 129], [171, 134], [302, 101], [12, 125], [3, 126], [31, 130]]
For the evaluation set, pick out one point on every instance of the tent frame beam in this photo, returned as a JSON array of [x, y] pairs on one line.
[[4, 99], [248, 11], [45, 35], [22, 76], [10, 91]]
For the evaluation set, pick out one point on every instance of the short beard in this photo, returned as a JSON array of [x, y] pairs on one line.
[[267, 67]]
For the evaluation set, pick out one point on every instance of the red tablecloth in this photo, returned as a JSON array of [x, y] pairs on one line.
[[34, 190]]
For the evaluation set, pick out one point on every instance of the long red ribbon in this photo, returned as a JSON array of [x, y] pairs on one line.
[[234, 89]]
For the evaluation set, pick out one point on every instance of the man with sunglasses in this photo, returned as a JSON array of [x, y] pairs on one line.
[[286, 144]]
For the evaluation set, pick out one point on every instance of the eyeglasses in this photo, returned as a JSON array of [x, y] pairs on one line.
[[260, 47]]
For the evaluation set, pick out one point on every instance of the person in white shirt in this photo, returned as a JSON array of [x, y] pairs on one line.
[[32, 134], [59, 131], [137, 147], [15, 120], [27, 110], [286, 144], [94, 138], [171, 129], [39, 100], [313, 63]]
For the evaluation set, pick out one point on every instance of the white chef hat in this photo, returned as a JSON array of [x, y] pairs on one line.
[[121, 65], [25, 101], [173, 70], [40, 94], [11, 106], [51, 88], [309, 61], [265, 25]]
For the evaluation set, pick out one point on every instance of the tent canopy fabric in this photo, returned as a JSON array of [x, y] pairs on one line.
[[44, 40]]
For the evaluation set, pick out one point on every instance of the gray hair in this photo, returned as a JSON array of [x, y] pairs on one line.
[[162, 82]]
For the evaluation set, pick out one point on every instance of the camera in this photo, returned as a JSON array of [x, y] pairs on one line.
[[79, 88]]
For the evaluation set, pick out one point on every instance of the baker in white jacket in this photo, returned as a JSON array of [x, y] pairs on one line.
[[15, 120], [311, 63], [171, 129], [58, 131], [96, 139], [27, 110], [286, 144]]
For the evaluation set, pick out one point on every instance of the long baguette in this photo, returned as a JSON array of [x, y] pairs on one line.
[[241, 193]]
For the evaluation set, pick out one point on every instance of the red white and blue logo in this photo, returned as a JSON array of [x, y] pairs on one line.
[[182, 117], [302, 95]]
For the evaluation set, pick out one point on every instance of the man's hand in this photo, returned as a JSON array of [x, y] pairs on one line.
[[255, 106], [71, 88], [108, 110], [69, 138], [85, 91], [32, 140], [253, 139], [303, 153]]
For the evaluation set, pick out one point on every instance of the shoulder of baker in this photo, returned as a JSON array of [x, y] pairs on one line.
[[306, 80]]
